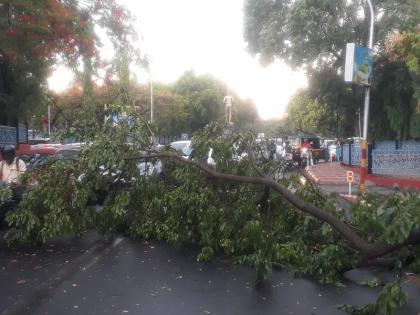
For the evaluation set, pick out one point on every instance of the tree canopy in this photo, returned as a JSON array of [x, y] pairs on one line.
[[35, 35], [312, 35], [185, 106]]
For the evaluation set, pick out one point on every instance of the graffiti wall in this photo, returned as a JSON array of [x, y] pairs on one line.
[[392, 158], [397, 159]]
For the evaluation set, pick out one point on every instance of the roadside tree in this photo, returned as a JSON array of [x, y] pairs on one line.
[[36, 35], [311, 35]]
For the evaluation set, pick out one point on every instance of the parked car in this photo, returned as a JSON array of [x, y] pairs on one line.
[[29, 154], [180, 145], [24, 151], [151, 167]]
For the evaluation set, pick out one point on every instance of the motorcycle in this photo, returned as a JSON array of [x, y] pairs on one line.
[[287, 156], [305, 156]]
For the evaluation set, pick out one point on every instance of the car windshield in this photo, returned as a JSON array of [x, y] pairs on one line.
[[187, 150]]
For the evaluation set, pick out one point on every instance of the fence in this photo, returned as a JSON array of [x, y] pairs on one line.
[[13, 135], [400, 158], [352, 153]]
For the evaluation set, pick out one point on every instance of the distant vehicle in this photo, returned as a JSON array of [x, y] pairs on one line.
[[151, 167], [315, 143], [26, 149], [187, 152], [180, 145], [287, 155], [31, 154], [39, 140], [327, 142]]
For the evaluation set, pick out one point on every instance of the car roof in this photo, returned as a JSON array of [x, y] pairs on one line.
[[181, 142], [37, 149]]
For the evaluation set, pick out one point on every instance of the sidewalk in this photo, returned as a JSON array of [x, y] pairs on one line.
[[333, 177]]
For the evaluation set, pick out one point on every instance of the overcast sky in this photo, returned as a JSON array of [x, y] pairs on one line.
[[207, 36]]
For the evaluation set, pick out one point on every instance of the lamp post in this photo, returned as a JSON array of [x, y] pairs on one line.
[[147, 63], [363, 162], [151, 99], [49, 121]]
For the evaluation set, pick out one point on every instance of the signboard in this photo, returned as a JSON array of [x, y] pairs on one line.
[[359, 64], [350, 176]]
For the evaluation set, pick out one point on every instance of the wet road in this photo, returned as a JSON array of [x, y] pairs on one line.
[[129, 277]]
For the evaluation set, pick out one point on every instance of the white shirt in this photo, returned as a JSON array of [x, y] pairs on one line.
[[10, 173]]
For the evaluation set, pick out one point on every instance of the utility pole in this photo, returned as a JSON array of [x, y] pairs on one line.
[[151, 99], [49, 121], [363, 162]]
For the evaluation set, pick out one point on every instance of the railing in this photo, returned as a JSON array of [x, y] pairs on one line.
[[13, 135], [352, 154], [7, 135]]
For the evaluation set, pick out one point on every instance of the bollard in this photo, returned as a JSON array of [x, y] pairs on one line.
[[350, 178]]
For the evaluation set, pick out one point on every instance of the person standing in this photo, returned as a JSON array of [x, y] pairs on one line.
[[11, 167], [306, 145], [338, 151]]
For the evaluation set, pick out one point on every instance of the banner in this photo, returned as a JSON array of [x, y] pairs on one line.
[[359, 65]]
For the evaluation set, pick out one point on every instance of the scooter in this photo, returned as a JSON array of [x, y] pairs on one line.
[[304, 157]]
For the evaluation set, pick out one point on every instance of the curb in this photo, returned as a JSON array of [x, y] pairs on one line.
[[83, 262]]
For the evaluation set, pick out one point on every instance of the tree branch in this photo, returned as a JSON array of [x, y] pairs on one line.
[[366, 250], [322, 215]]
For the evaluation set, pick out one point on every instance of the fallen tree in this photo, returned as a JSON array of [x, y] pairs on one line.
[[229, 209], [367, 250]]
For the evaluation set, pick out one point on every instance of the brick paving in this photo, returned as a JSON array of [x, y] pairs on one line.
[[336, 174], [333, 174]]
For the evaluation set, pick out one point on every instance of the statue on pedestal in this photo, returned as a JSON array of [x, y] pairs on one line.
[[228, 108]]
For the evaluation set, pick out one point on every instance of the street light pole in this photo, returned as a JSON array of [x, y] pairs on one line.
[[49, 120], [363, 162], [151, 99]]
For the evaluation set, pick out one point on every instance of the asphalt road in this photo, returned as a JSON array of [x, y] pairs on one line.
[[98, 275], [130, 277]]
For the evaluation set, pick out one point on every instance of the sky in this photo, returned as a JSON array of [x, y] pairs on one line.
[[205, 36]]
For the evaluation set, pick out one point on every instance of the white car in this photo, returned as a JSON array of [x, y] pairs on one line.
[[180, 145]]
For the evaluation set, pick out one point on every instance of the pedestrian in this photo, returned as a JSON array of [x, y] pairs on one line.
[[11, 167], [307, 145], [338, 151]]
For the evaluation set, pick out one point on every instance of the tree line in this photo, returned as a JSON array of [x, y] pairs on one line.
[[37, 36], [185, 106]]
